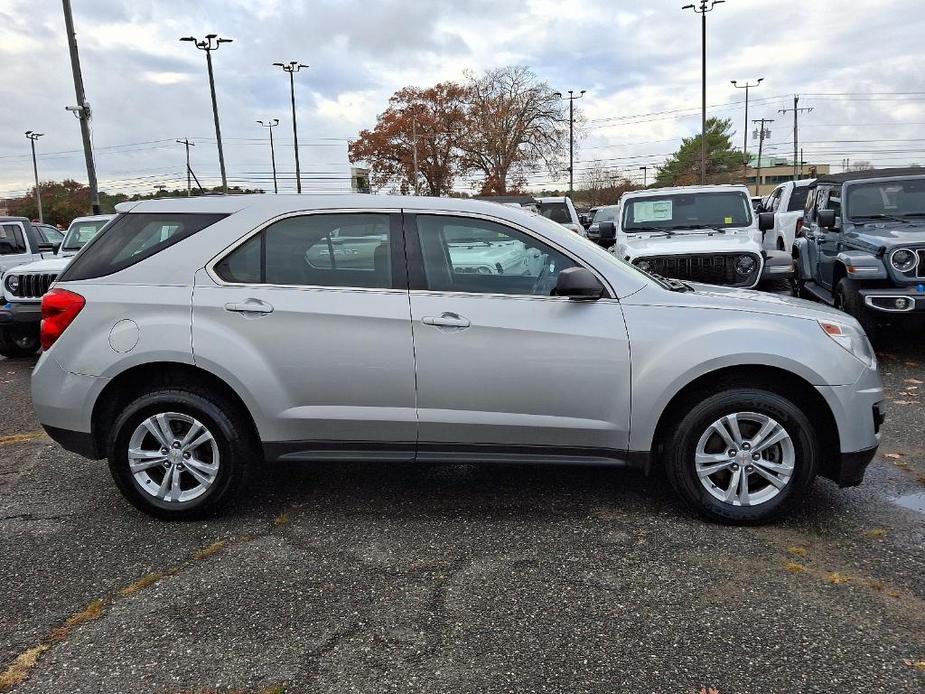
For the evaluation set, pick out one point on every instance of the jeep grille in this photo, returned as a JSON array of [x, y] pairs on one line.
[[707, 268], [33, 285]]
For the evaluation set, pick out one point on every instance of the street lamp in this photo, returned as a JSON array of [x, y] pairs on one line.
[[269, 125], [211, 43], [702, 9], [746, 87], [644, 170], [571, 135], [292, 67], [33, 136]]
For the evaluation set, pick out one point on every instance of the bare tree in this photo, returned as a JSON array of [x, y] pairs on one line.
[[515, 124], [602, 186]]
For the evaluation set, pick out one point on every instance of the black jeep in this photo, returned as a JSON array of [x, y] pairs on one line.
[[861, 247]]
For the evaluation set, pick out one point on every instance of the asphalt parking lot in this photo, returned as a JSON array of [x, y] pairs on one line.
[[373, 578]]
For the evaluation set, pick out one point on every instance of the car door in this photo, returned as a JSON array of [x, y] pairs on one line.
[[13, 249], [772, 204], [504, 369], [827, 241], [310, 317]]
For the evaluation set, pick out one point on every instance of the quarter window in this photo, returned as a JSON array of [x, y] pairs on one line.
[[479, 256], [330, 250]]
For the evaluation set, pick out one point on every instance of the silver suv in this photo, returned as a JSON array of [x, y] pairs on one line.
[[198, 338]]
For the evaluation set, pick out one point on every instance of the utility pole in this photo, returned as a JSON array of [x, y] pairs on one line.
[[211, 43], [414, 148], [746, 87], [33, 136], [702, 9], [292, 67], [571, 136], [796, 112], [185, 141], [82, 109], [760, 134], [644, 170], [269, 125]]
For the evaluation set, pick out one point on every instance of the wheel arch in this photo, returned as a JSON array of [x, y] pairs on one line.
[[141, 378], [771, 378]]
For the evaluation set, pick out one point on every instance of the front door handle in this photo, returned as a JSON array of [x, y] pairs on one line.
[[251, 306], [447, 320]]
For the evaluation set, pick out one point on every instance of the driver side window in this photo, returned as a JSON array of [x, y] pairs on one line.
[[462, 254]]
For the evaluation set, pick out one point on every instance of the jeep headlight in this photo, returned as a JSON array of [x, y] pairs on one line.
[[12, 283], [904, 260], [644, 265], [745, 265], [853, 340]]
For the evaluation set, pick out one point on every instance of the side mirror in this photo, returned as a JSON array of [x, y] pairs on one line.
[[826, 218], [49, 247], [606, 233], [579, 284], [765, 220]]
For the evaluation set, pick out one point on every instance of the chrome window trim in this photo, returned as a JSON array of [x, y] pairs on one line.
[[523, 230], [228, 250]]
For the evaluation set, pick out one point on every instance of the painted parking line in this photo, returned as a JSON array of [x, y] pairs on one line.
[[22, 438]]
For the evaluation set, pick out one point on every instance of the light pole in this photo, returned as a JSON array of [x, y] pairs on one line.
[[33, 136], [746, 87], [269, 125], [644, 170], [292, 67], [702, 9], [211, 43], [571, 135]]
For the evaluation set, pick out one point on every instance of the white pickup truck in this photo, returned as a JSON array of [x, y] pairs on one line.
[[786, 203], [22, 287], [703, 234]]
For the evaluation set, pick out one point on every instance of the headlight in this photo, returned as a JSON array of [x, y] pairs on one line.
[[644, 265], [12, 283], [904, 260], [853, 340], [745, 265]]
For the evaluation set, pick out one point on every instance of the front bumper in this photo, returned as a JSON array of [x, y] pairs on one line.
[[883, 299], [778, 265], [20, 312], [859, 411]]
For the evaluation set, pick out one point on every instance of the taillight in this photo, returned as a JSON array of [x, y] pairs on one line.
[[799, 230], [59, 309]]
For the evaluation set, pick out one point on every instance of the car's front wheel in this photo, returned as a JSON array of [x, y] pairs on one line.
[[742, 456], [20, 341], [180, 453]]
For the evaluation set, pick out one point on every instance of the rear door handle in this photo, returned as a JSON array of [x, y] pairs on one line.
[[447, 320], [250, 306]]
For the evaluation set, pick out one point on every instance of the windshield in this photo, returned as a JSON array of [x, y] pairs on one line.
[[556, 211], [894, 198], [606, 214], [80, 232], [687, 211]]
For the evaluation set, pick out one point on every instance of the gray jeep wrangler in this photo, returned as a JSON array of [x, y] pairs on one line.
[[861, 247]]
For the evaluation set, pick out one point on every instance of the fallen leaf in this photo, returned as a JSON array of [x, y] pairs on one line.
[[836, 579], [917, 664], [875, 532], [905, 402], [799, 551], [915, 381], [893, 456], [794, 568]]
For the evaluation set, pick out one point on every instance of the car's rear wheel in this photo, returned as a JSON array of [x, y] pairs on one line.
[[742, 456], [180, 453], [20, 341], [848, 299]]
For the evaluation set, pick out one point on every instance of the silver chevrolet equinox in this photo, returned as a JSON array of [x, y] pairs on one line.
[[198, 338]]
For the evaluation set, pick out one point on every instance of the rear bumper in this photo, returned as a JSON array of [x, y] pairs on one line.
[[21, 312]]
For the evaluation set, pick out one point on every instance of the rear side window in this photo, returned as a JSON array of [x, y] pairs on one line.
[[11, 239], [798, 199], [131, 238]]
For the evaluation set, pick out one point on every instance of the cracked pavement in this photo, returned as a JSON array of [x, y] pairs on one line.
[[418, 578]]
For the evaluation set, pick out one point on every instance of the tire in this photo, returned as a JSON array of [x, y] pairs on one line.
[[18, 342], [764, 500], [227, 459], [797, 282], [848, 299]]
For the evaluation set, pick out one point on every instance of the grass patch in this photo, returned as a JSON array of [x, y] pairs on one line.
[[19, 670], [207, 552], [794, 568], [92, 611], [141, 584]]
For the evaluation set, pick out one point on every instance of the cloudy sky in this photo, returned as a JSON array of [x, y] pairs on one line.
[[858, 64]]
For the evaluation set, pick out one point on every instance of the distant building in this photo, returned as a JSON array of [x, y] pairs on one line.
[[359, 179], [777, 170]]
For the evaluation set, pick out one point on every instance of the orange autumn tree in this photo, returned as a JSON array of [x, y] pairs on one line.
[[437, 115]]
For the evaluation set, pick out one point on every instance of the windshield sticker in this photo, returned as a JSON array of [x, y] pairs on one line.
[[727, 220], [652, 211]]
